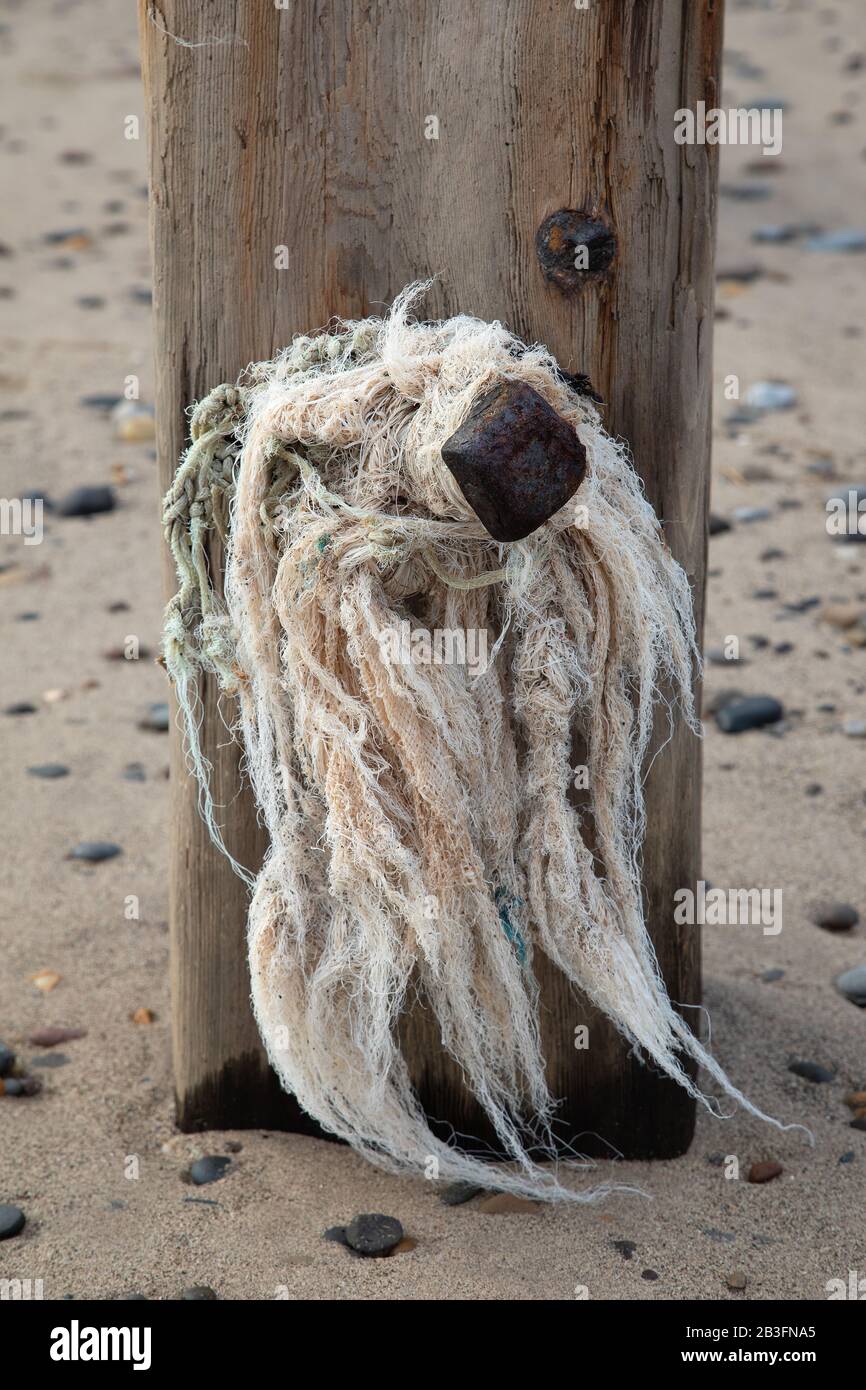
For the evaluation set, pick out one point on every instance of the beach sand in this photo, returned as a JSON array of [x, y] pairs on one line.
[[94, 1160]]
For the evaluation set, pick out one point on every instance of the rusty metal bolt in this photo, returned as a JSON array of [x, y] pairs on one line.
[[573, 247], [515, 460]]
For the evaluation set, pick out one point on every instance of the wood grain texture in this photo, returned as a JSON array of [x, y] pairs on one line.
[[304, 127]]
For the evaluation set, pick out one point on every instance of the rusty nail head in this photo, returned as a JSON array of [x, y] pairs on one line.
[[573, 247], [515, 460]]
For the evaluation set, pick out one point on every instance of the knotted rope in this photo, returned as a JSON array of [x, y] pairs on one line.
[[422, 834]]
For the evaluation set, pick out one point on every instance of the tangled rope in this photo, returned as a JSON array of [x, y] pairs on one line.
[[422, 834]]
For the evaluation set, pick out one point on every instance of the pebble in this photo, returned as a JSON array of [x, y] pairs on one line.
[[769, 977], [847, 239], [848, 1157], [834, 916], [105, 404], [134, 772], [156, 720], [814, 789], [87, 501], [843, 615], [21, 707], [143, 1016], [718, 525], [7, 1059], [852, 983], [199, 1293], [811, 1071], [751, 712], [11, 1221], [649, 1274], [626, 1248], [456, 1193], [50, 771], [373, 1234], [854, 728], [855, 1100], [736, 1281], [771, 395], [505, 1204], [134, 422], [858, 1123], [209, 1169], [50, 1060], [765, 1172], [94, 851], [50, 1037], [747, 514]]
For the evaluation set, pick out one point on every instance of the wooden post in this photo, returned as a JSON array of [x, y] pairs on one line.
[[380, 141]]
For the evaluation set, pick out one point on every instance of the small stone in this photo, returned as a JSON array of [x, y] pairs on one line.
[[373, 1234], [649, 1274], [718, 525], [506, 1204], [21, 707], [143, 1016], [134, 772], [50, 1037], [12, 1221], [852, 983], [859, 1122], [456, 1193], [13, 1086], [7, 1059], [751, 712], [854, 728], [848, 1157], [626, 1248], [847, 239], [156, 720], [855, 1100], [50, 771], [87, 501], [199, 1293], [771, 395], [94, 851], [46, 980], [765, 1171], [121, 654], [736, 1281], [50, 1060], [770, 977], [843, 615], [209, 1169], [811, 1071], [814, 789], [749, 514], [134, 422], [104, 404], [834, 916]]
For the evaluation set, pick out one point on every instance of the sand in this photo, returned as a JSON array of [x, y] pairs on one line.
[[94, 1160]]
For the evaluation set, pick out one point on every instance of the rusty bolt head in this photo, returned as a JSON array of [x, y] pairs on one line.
[[515, 460], [573, 247]]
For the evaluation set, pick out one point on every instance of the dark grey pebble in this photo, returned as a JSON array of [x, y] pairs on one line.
[[814, 789], [770, 977], [802, 605], [648, 1274], [21, 707], [848, 239], [51, 1059], [834, 916], [859, 1124], [848, 1157], [156, 719], [811, 1071], [134, 772], [199, 1293], [747, 514], [783, 648], [7, 1059], [852, 983], [65, 234], [746, 192], [765, 595], [752, 712], [718, 525], [94, 851], [87, 501], [337, 1234], [50, 771], [772, 554], [141, 295], [102, 403], [456, 1193], [29, 617], [209, 1169], [90, 301], [13, 1086], [373, 1234], [11, 1221], [625, 1247]]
